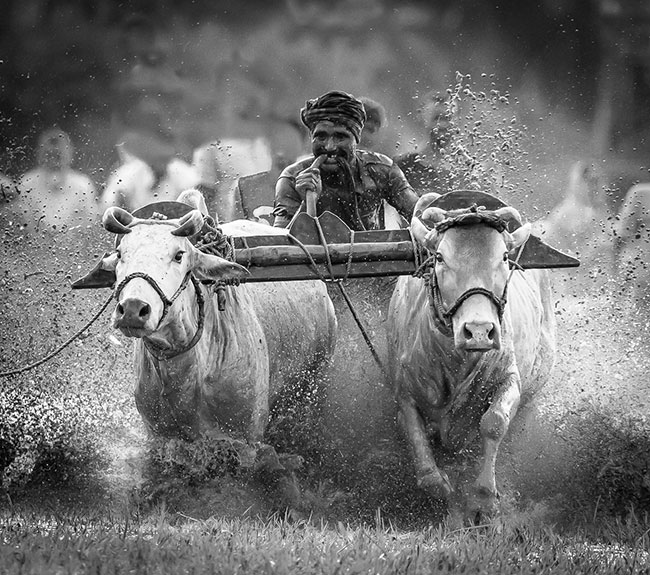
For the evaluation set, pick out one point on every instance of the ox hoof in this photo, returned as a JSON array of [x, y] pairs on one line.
[[482, 506], [436, 484]]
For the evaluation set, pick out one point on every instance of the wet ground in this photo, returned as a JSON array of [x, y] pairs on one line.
[[600, 378]]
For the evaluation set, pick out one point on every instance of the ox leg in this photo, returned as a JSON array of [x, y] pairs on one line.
[[431, 479], [493, 428]]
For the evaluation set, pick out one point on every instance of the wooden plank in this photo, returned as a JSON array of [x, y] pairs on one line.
[[265, 256], [340, 271]]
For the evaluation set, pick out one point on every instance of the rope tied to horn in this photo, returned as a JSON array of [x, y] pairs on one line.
[[213, 241]]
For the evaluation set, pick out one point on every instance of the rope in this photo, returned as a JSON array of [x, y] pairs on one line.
[[339, 283], [62, 346], [347, 299]]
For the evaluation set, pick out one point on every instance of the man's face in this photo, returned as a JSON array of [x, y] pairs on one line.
[[336, 141]]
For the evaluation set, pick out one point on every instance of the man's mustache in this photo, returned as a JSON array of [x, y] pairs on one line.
[[338, 156]]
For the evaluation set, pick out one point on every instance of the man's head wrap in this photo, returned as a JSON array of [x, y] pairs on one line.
[[338, 107]]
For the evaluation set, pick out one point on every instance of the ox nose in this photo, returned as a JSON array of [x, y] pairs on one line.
[[480, 336], [132, 312]]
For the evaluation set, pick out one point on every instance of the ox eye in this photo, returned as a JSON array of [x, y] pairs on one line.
[[118, 253], [505, 257], [439, 258], [179, 256]]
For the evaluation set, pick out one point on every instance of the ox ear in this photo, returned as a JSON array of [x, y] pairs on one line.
[[101, 276], [516, 239], [210, 267], [510, 215], [189, 225]]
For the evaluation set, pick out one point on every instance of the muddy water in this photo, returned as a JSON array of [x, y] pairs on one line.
[[602, 366]]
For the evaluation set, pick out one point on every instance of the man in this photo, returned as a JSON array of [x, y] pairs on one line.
[[428, 170], [349, 182], [370, 138], [53, 192]]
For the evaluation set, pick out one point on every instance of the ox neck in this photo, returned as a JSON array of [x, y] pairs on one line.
[[162, 353]]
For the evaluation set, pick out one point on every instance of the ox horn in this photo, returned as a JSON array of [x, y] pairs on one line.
[[116, 220], [190, 224]]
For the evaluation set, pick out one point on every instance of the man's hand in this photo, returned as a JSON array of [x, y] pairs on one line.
[[309, 179]]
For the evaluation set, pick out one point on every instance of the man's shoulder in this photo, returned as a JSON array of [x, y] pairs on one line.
[[376, 158]]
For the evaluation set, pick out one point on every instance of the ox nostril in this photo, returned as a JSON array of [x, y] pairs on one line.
[[145, 311], [492, 333], [467, 332], [120, 309]]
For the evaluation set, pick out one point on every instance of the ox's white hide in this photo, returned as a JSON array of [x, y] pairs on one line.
[[457, 396], [268, 336]]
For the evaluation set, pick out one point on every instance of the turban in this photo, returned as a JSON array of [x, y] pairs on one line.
[[337, 107]]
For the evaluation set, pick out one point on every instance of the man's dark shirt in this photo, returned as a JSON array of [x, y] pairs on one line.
[[377, 179]]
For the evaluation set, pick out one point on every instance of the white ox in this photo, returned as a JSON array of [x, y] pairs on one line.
[[460, 359], [201, 369], [632, 244]]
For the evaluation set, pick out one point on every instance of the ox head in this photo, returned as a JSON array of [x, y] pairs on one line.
[[471, 251], [150, 268]]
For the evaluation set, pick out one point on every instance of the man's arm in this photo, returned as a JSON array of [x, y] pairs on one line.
[[287, 201]]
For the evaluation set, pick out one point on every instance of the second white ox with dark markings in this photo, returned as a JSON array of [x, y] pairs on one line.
[[460, 358], [201, 369]]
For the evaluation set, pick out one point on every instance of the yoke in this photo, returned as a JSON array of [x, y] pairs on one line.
[[324, 247]]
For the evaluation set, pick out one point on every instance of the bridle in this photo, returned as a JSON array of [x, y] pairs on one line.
[[443, 316], [446, 315], [158, 352]]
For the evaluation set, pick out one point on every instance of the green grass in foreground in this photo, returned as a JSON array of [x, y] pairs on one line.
[[175, 544]]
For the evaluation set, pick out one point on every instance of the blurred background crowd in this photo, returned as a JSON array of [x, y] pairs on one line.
[[171, 93]]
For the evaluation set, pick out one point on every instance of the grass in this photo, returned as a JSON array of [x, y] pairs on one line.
[[164, 542]]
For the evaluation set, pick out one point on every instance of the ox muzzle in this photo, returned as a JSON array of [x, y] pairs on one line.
[[132, 315]]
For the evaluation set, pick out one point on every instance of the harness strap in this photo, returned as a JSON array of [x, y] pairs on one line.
[[167, 302]]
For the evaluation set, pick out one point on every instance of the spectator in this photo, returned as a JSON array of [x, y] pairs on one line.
[[375, 120], [53, 192], [428, 169]]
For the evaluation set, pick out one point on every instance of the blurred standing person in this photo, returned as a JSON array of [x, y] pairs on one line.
[[428, 169], [53, 192], [349, 182], [370, 138], [149, 98]]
